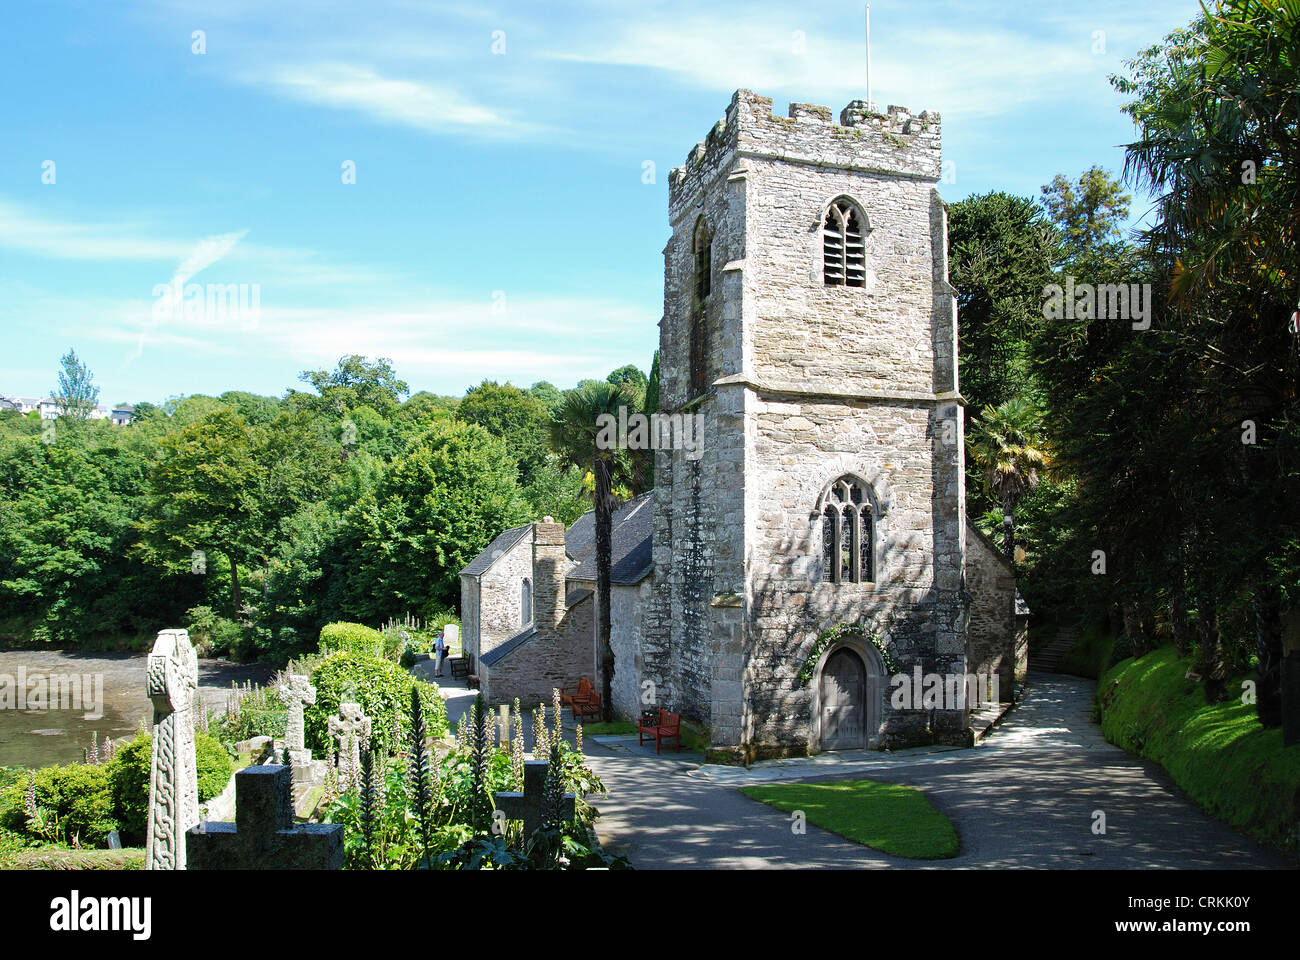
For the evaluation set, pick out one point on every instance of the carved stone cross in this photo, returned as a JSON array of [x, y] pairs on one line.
[[530, 805], [296, 692], [351, 728], [263, 836], [172, 681]]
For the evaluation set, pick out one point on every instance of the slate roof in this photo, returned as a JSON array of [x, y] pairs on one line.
[[493, 551], [631, 542]]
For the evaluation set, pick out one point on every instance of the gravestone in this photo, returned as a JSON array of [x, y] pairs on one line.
[[264, 836], [530, 805], [171, 680], [295, 693], [451, 636], [351, 728]]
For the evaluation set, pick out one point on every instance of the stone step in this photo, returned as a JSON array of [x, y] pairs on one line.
[[1048, 657]]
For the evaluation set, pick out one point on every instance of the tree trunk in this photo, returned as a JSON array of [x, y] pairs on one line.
[[236, 597], [604, 562], [1214, 667], [1132, 628], [1178, 615], [1268, 648], [1009, 527]]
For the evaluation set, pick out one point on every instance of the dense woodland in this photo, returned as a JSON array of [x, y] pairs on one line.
[[1144, 476], [259, 519]]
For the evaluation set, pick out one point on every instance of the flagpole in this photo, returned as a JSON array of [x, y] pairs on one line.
[[870, 105]]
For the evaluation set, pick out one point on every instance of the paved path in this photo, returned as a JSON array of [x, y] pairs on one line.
[[1024, 798]]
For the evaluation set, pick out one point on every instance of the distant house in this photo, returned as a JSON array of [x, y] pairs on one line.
[[50, 409]]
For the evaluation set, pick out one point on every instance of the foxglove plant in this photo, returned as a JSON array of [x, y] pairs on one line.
[[422, 778]]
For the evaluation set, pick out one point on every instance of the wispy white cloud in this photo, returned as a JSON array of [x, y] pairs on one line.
[[426, 107], [39, 233], [442, 339], [977, 67]]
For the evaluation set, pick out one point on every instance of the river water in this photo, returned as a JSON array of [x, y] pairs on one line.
[[47, 733]]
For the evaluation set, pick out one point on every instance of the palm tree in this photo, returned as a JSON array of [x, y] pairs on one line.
[[575, 431], [1004, 444]]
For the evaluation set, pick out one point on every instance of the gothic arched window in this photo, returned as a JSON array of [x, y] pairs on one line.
[[848, 533], [844, 245], [698, 358], [526, 603], [702, 247]]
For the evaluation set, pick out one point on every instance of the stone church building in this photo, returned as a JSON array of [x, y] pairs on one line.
[[816, 544]]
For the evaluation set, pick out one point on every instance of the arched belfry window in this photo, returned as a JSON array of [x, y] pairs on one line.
[[844, 235], [848, 533], [702, 246]]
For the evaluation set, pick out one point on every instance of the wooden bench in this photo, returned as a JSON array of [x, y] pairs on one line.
[[666, 726], [584, 701], [462, 666]]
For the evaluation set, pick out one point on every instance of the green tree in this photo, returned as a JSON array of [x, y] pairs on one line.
[[1000, 255], [435, 508], [517, 417], [1087, 212], [77, 394], [203, 495], [1215, 108], [548, 393], [629, 375], [574, 435], [1005, 445], [354, 381]]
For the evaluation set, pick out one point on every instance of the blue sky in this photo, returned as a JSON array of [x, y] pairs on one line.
[[499, 225]]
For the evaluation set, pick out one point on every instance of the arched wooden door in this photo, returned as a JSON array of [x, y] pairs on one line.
[[844, 707]]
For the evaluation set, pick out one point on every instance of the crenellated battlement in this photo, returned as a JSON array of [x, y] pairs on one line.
[[896, 142]]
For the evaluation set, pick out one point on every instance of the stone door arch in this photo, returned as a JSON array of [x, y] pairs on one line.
[[850, 685]]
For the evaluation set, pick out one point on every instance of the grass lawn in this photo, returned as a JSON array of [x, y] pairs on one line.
[[1219, 754], [884, 816]]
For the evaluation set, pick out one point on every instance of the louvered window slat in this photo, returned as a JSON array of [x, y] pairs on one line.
[[844, 249]]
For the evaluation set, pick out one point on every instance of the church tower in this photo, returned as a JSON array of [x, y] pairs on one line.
[[814, 546]]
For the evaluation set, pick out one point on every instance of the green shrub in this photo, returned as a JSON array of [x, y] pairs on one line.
[[215, 768], [351, 638], [381, 687], [212, 634], [128, 774], [73, 801]]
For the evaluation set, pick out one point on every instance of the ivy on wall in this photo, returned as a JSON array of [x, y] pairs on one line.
[[829, 638]]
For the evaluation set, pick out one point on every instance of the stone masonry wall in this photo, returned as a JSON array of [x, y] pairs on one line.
[[537, 666], [994, 628], [500, 605], [809, 382]]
